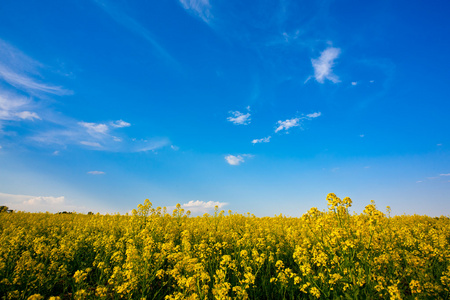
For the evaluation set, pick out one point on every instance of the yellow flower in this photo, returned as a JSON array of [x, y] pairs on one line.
[[315, 292]]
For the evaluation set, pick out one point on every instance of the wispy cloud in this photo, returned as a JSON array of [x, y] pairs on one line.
[[94, 128], [285, 125], [134, 26], [263, 140], [200, 8], [236, 160], [323, 66], [20, 71], [354, 83], [37, 203], [439, 177], [22, 88], [96, 172], [28, 115], [314, 115], [198, 207], [149, 145], [239, 118], [295, 122], [91, 144], [96, 136], [120, 124], [16, 108], [29, 84]]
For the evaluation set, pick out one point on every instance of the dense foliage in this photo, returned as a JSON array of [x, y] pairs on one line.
[[155, 255]]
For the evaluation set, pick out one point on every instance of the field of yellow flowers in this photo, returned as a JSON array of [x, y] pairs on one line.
[[155, 255]]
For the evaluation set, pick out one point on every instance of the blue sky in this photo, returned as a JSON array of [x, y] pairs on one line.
[[254, 106]]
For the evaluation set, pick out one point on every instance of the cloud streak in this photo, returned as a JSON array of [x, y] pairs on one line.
[[53, 128], [16, 108], [285, 125], [263, 140], [96, 172], [239, 118], [198, 207], [37, 203], [17, 69], [236, 160], [91, 144], [200, 8], [120, 124], [295, 122], [94, 128], [135, 27], [323, 66]]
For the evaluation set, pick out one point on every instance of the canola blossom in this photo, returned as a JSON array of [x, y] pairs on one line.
[[152, 254]]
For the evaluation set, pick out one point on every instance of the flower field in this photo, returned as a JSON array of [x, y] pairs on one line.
[[152, 254]]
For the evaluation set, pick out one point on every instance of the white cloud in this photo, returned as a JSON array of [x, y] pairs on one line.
[[314, 115], [16, 108], [239, 118], [28, 115], [438, 145], [263, 140], [295, 122], [74, 134], [118, 15], [209, 204], [201, 8], [28, 84], [234, 160], [96, 172], [16, 80], [16, 69], [323, 66], [94, 127], [44, 200], [448, 174], [37, 203], [175, 148], [56, 152], [372, 81], [198, 207], [91, 144], [354, 83], [120, 124], [285, 125], [152, 145]]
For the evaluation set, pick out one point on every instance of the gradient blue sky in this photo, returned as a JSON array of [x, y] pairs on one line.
[[255, 106]]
